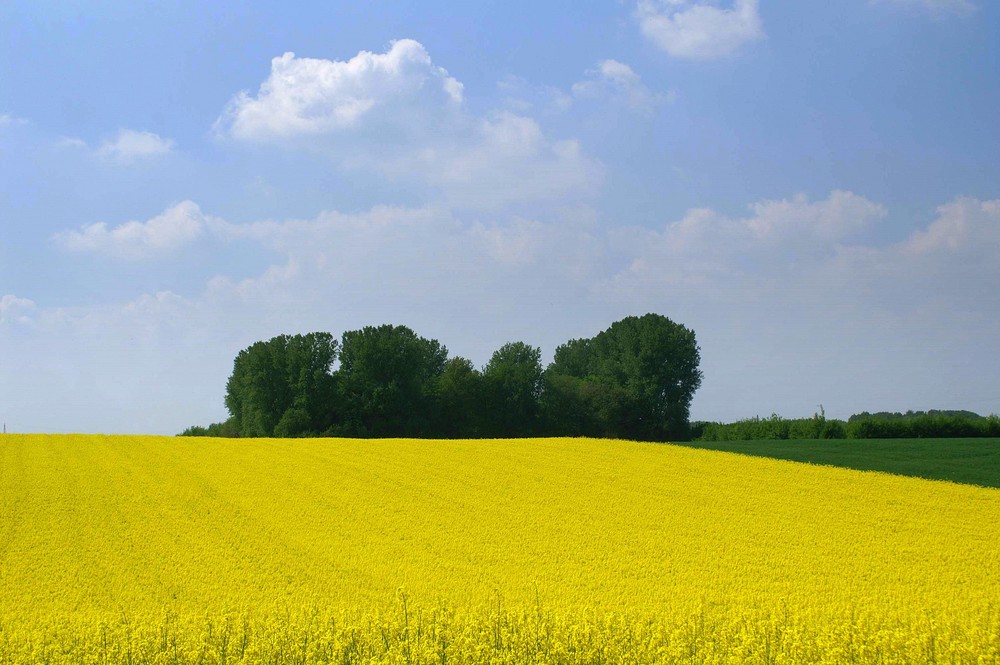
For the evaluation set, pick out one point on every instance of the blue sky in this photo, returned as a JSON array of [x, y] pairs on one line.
[[813, 187]]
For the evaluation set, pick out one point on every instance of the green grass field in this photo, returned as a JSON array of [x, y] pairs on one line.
[[971, 461]]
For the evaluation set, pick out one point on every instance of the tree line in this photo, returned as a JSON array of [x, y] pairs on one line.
[[883, 425], [634, 380]]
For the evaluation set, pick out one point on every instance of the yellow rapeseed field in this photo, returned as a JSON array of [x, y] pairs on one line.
[[177, 550]]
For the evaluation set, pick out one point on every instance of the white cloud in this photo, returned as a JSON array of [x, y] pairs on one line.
[[705, 245], [309, 96], [619, 82], [175, 227], [834, 219], [793, 310], [569, 247], [401, 116], [790, 306], [421, 261], [130, 146], [16, 310], [7, 120], [428, 268], [504, 157], [520, 96], [698, 30], [937, 7], [951, 265], [787, 295], [70, 142], [965, 226]]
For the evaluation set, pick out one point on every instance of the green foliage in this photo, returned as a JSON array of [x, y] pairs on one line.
[[863, 426], [909, 415], [512, 386], [574, 358], [570, 405], [295, 421], [288, 372], [227, 428], [774, 428], [924, 426], [634, 380], [387, 379], [459, 397]]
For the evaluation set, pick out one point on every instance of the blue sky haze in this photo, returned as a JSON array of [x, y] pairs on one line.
[[813, 187]]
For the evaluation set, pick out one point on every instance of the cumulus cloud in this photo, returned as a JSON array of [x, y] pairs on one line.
[[402, 116], [16, 310], [790, 294], [963, 226], [425, 259], [619, 82], [951, 265], [698, 30], [310, 96], [423, 266], [404, 243], [705, 245], [503, 157], [792, 279], [130, 145], [792, 308], [175, 227]]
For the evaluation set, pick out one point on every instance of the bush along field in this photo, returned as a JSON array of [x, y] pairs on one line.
[[214, 550], [910, 425], [937, 445]]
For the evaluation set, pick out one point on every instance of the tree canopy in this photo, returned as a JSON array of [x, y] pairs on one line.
[[634, 380], [387, 379], [513, 386], [284, 386]]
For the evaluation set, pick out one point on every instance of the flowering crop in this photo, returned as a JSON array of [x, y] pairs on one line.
[[180, 550]]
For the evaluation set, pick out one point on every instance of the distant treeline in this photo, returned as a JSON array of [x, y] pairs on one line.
[[883, 425], [634, 380]]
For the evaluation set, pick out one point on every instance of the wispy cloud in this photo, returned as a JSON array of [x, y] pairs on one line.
[[794, 251], [8, 120], [70, 142], [175, 227], [698, 30], [714, 250], [16, 310], [521, 96], [499, 158], [130, 145], [617, 81]]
